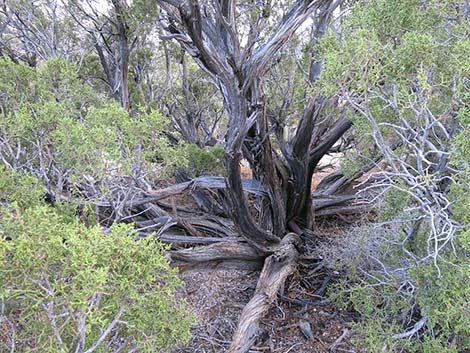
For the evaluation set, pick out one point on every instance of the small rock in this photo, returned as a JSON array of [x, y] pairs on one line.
[[306, 329]]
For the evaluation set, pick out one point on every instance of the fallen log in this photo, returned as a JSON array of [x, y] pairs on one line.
[[225, 255], [205, 199], [190, 239], [323, 201], [250, 186], [343, 210]]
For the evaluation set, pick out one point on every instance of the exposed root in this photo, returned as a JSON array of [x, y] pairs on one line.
[[277, 268]]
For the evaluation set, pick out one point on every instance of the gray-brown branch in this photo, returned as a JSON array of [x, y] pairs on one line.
[[276, 269]]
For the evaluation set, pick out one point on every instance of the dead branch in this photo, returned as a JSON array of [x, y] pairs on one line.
[[226, 255]]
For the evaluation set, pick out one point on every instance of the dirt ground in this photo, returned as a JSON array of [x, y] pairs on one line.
[[217, 298]]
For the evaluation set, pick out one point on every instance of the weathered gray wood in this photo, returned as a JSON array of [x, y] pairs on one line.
[[207, 30], [204, 182], [324, 201], [189, 239], [276, 269], [343, 210], [226, 255]]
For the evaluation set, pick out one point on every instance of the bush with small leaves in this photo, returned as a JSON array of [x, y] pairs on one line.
[[65, 287], [205, 160], [401, 70], [53, 126], [18, 190]]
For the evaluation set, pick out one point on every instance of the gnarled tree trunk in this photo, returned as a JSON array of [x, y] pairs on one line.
[[208, 32]]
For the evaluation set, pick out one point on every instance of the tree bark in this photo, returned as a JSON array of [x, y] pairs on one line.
[[276, 269], [124, 53], [208, 32]]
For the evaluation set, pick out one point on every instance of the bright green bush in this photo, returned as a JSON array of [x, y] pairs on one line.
[[19, 190], [55, 80], [446, 299], [68, 287], [384, 306], [461, 161]]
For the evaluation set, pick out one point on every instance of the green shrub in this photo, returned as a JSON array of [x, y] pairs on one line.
[[53, 126], [388, 297], [55, 80], [445, 298], [67, 287], [399, 67], [394, 204], [19, 190], [205, 160]]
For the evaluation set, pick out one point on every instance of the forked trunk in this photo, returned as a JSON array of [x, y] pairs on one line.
[[208, 32]]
